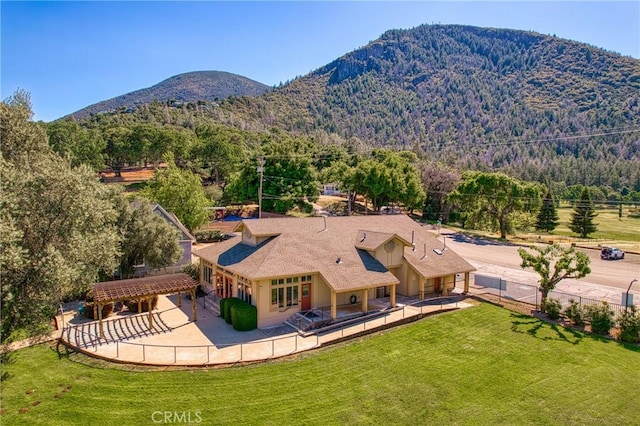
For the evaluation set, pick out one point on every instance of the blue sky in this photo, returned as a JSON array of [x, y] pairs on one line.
[[69, 55]]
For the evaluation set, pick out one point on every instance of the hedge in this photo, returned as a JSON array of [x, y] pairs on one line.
[[227, 308], [244, 316]]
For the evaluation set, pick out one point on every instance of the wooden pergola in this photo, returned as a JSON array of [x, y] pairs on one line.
[[142, 289]]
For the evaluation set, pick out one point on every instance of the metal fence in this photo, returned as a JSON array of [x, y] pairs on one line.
[[530, 294], [274, 347]]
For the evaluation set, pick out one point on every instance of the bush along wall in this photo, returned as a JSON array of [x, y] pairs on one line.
[[244, 317]]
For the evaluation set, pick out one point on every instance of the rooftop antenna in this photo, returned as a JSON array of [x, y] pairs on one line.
[[440, 252], [425, 251], [413, 244]]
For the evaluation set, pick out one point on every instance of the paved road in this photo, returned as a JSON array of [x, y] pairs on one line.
[[489, 255]]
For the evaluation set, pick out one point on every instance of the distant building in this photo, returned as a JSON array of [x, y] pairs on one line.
[[331, 189]]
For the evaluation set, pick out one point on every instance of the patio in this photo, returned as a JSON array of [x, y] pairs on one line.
[[174, 339]]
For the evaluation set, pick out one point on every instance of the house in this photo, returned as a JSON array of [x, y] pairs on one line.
[[186, 241], [331, 189], [289, 265]]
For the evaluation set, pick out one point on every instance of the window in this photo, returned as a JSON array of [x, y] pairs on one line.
[[285, 292]]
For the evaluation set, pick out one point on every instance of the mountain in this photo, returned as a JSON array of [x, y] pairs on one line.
[[188, 87], [536, 106]]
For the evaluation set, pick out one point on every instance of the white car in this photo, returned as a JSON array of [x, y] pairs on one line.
[[611, 253]]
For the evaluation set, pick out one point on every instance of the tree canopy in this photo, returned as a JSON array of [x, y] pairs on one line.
[[554, 263], [147, 239], [58, 224], [492, 200], [180, 192]]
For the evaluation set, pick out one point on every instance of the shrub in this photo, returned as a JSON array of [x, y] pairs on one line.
[[601, 318], [575, 313], [244, 316], [552, 307], [210, 236], [193, 270], [629, 323], [106, 310], [227, 308], [132, 305]]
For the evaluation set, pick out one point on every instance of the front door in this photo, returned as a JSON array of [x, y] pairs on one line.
[[306, 297], [436, 285]]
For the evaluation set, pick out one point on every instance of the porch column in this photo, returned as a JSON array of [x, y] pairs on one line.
[[466, 282], [99, 318], [392, 297], [422, 280], [334, 308], [365, 300], [179, 300], [201, 270], [194, 310], [150, 314]]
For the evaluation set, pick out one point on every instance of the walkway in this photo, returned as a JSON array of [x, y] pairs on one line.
[[175, 340]]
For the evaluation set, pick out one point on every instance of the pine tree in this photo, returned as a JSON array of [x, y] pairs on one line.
[[583, 215], [548, 216]]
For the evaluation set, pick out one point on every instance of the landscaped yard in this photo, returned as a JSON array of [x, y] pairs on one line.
[[481, 365]]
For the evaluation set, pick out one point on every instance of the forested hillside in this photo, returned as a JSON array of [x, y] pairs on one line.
[[188, 87], [538, 107]]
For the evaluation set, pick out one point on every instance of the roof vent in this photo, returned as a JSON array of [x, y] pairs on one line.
[[425, 251], [339, 261], [364, 236], [440, 252]]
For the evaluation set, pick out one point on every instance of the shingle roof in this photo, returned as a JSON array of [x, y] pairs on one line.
[[303, 246]]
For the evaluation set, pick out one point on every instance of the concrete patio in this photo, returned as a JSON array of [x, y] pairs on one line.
[[176, 340]]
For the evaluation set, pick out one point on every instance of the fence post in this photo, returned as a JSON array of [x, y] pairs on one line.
[[273, 349], [144, 355], [208, 356], [175, 354], [117, 349], [296, 345], [241, 345]]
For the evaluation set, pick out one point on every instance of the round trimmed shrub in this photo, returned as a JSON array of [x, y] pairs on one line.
[[227, 307], [575, 313], [244, 316], [629, 324]]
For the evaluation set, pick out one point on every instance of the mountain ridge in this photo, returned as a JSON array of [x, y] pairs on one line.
[[190, 86]]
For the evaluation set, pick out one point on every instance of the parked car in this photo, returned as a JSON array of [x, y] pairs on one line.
[[611, 253]]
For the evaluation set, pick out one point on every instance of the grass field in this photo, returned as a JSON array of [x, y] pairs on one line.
[[481, 365]]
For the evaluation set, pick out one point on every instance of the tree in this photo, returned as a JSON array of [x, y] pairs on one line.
[[553, 263], [289, 178], [583, 215], [180, 192], [548, 216], [80, 145], [492, 200], [438, 181], [147, 239], [57, 222]]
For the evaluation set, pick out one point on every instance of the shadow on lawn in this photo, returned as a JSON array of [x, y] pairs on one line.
[[529, 325]]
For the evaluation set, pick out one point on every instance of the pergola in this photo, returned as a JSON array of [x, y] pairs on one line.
[[142, 288]]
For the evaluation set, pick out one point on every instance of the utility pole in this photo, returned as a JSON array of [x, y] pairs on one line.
[[261, 171]]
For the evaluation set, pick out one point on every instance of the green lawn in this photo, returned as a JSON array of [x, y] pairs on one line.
[[482, 365], [610, 226]]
